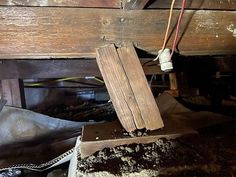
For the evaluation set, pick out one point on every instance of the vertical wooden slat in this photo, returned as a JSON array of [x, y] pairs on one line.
[[13, 93], [139, 85], [118, 87], [2, 104], [134, 4], [173, 81]]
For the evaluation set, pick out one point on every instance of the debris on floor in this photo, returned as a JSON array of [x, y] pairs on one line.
[[209, 154]]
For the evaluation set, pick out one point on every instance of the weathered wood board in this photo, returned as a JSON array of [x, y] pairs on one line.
[[64, 3], [59, 68], [13, 93], [119, 88], [157, 4], [124, 79], [38, 32], [134, 4], [111, 134], [140, 88], [196, 4]]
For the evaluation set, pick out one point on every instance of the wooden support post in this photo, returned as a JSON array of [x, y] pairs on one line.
[[134, 4], [173, 81], [118, 87], [13, 93], [128, 88], [139, 85], [173, 85]]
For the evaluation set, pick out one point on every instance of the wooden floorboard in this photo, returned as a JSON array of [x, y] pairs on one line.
[[38, 32]]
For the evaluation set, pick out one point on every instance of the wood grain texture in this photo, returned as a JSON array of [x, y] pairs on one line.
[[119, 88], [196, 4], [111, 134], [139, 85], [156, 4], [73, 32], [65, 3], [59, 68], [173, 81], [13, 93], [134, 4]]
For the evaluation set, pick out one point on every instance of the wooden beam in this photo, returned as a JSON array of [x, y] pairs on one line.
[[173, 85], [119, 88], [73, 33], [140, 88], [134, 4], [2, 103], [156, 4], [26, 69], [124, 79], [65, 3], [13, 93], [196, 4]]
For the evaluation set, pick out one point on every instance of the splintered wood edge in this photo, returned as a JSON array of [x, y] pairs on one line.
[[90, 147], [154, 121], [128, 123]]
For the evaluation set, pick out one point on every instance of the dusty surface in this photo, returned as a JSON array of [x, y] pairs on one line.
[[211, 153]]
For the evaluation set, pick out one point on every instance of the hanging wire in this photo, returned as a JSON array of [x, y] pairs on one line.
[[177, 28], [167, 30]]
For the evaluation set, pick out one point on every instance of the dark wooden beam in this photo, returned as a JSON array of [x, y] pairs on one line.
[[2, 103], [73, 33], [156, 4], [98, 136], [65, 3], [138, 81], [196, 4], [10, 69], [134, 4], [13, 92]]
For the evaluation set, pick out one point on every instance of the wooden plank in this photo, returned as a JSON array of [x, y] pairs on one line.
[[118, 88], [102, 135], [73, 33], [2, 103], [64, 3], [13, 93], [196, 4], [173, 81], [134, 4], [156, 4], [139, 85], [10, 69], [173, 85]]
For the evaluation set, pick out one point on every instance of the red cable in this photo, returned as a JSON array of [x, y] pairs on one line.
[[177, 28]]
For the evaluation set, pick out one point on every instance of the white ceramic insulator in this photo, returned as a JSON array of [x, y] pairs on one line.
[[165, 60]]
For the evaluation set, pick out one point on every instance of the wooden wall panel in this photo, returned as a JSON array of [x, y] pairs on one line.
[[73, 32]]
